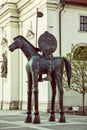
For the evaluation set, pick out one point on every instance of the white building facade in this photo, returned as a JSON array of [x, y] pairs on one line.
[[19, 18]]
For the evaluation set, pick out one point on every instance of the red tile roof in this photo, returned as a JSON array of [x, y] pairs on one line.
[[75, 2]]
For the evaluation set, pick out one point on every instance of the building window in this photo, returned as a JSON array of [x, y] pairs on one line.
[[83, 23]]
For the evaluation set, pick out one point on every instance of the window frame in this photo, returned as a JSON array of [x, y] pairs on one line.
[[83, 23]]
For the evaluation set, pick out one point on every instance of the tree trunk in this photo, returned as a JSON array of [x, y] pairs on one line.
[[83, 104]]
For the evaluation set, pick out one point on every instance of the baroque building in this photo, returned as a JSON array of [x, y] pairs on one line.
[[65, 19]]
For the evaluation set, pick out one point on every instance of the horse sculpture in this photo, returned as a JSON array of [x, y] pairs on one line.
[[35, 66]]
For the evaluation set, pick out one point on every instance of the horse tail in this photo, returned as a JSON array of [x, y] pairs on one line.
[[68, 70]]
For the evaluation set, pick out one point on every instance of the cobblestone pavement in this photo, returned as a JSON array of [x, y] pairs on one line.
[[14, 120]]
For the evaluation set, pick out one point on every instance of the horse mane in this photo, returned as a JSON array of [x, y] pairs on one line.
[[21, 37]]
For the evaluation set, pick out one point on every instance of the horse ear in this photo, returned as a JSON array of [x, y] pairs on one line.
[[20, 37], [14, 38], [17, 37], [20, 43]]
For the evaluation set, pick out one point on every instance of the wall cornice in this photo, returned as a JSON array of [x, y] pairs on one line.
[[75, 2], [7, 6], [23, 4], [52, 4], [7, 12]]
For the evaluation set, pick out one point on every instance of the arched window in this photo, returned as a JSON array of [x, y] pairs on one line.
[[80, 52]]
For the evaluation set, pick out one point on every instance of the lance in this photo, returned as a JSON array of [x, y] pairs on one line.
[[38, 15]]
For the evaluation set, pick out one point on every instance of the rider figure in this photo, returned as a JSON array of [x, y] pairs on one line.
[[49, 63], [47, 44]]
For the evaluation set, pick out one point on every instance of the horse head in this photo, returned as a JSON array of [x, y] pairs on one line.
[[27, 48], [16, 44]]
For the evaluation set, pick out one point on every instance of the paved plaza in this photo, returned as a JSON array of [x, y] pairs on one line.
[[14, 120]]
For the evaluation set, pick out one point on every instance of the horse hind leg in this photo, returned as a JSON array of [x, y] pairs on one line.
[[60, 88], [52, 111]]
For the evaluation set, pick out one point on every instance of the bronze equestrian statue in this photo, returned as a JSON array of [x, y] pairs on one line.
[[36, 66]]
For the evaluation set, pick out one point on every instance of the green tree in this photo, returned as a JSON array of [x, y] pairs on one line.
[[78, 59]]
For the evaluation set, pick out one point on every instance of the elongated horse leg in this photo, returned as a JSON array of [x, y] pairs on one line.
[[52, 111], [36, 113], [29, 100], [60, 87]]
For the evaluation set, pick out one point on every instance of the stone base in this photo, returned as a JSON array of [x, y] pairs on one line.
[[45, 107], [22, 105], [14, 105]]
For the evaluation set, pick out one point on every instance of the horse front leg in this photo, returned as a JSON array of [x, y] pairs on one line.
[[52, 111], [60, 88], [29, 99], [36, 113]]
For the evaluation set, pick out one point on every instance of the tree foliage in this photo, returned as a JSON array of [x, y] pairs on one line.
[[78, 59]]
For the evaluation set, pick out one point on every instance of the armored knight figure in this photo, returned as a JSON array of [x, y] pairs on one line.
[[49, 62], [47, 44]]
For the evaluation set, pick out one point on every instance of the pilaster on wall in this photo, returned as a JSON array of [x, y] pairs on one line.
[[53, 25], [10, 89], [14, 63]]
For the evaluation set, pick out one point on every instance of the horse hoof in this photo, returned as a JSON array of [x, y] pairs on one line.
[[62, 119], [52, 117], [36, 119], [28, 119]]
